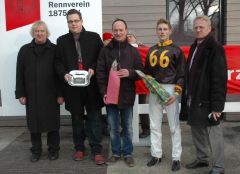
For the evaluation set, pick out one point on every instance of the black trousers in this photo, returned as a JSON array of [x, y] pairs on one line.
[[105, 129], [144, 118], [53, 141], [89, 126]]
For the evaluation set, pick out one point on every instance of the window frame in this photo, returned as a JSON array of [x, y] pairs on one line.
[[221, 22]]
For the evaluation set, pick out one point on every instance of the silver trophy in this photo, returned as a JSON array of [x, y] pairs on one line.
[[79, 78]]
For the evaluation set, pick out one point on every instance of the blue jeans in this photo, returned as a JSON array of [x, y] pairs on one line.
[[124, 147]]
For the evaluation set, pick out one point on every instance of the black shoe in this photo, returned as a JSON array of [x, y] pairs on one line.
[[197, 164], [35, 157], [215, 172], [53, 155], [144, 134], [153, 161], [175, 165]]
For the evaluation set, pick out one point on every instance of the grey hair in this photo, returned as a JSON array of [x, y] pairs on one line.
[[205, 18], [36, 24]]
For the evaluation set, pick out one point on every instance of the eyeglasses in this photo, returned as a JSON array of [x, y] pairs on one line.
[[74, 21]]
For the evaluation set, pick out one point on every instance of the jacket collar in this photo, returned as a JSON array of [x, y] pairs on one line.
[[81, 33], [46, 45], [165, 43], [209, 41], [116, 44]]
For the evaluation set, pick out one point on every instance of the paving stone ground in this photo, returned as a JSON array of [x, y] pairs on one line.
[[15, 154]]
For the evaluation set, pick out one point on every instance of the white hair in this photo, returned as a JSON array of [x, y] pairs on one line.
[[36, 24]]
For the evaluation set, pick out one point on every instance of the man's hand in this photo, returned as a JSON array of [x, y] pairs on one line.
[[123, 73], [23, 100], [67, 77], [90, 72], [104, 99], [171, 99], [216, 115], [60, 100]]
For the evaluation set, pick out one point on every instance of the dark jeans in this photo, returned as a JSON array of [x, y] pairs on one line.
[[91, 127], [53, 141], [126, 115]]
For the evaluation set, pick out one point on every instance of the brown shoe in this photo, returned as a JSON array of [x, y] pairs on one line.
[[129, 161], [113, 159], [99, 159], [78, 156]]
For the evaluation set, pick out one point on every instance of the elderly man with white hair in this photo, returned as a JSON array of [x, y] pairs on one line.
[[204, 95]]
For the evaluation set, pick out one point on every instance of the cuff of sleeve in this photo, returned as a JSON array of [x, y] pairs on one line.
[[217, 106]]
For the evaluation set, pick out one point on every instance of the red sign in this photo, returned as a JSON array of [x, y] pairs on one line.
[[21, 12], [140, 86], [233, 63]]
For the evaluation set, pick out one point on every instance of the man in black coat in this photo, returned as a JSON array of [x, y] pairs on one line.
[[78, 50], [37, 88], [204, 95]]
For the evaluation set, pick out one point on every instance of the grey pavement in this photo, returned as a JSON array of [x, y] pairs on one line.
[[9, 134], [14, 154]]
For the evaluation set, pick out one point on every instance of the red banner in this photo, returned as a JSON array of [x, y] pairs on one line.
[[21, 12], [140, 86], [233, 63]]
